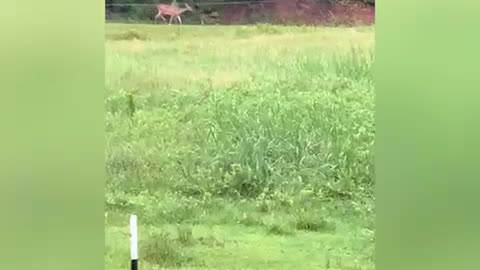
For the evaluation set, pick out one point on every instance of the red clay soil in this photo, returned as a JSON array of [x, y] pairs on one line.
[[301, 12]]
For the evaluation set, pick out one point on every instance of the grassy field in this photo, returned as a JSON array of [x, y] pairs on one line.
[[246, 147]]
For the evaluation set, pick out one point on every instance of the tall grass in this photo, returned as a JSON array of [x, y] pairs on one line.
[[311, 128]]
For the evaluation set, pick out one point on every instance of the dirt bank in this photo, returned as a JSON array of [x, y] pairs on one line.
[[300, 12]]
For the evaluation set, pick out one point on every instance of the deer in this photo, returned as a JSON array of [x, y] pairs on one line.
[[171, 11]]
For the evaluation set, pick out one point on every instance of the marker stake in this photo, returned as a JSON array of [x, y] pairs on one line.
[[133, 242]]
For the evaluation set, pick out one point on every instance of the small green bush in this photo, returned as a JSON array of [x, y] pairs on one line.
[[313, 221], [279, 226], [131, 34], [162, 250], [265, 28], [185, 235]]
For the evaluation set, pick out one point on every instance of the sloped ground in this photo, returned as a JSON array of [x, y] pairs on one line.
[[302, 12]]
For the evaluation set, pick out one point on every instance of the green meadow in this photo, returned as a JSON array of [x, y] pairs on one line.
[[240, 147]]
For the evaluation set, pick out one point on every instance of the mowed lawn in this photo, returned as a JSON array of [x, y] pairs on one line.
[[240, 147]]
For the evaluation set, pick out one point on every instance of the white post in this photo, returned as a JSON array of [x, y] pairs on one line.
[[133, 242]]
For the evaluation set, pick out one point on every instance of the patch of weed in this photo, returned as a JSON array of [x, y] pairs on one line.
[[160, 249]]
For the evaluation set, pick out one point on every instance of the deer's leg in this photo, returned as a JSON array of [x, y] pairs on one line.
[[179, 19], [170, 22], [161, 16]]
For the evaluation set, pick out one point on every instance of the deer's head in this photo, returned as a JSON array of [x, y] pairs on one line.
[[188, 7]]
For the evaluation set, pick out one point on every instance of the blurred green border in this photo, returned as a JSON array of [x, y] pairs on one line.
[[427, 55], [52, 186]]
